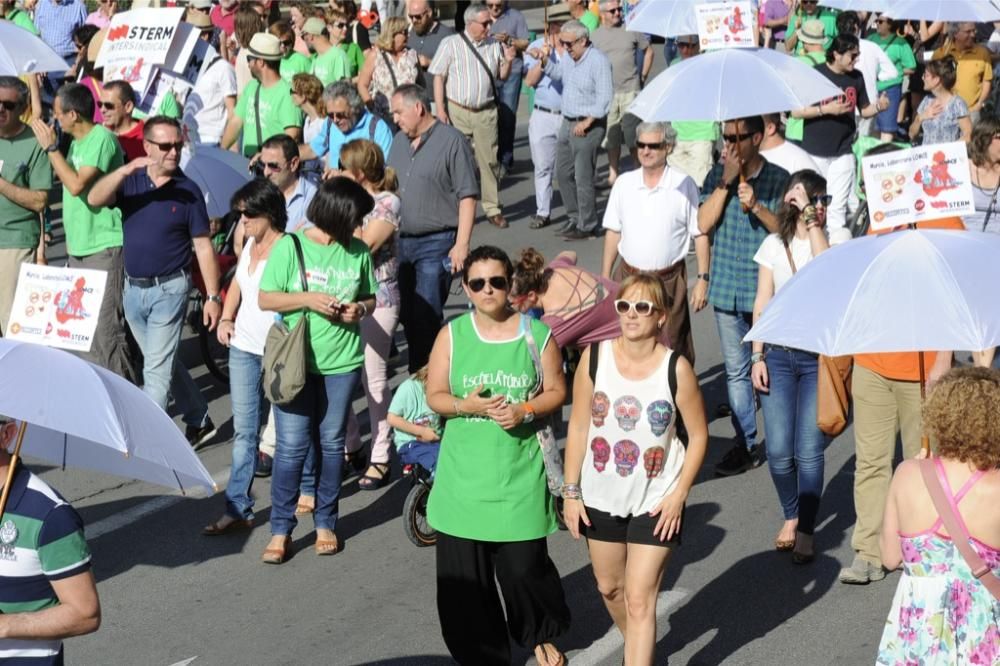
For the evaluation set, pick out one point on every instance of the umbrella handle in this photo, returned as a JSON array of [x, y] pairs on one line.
[[14, 459]]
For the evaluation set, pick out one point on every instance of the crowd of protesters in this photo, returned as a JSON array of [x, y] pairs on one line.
[[377, 133]]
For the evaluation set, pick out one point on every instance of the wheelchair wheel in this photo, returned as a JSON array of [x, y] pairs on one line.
[[214, 354], [415, 524]]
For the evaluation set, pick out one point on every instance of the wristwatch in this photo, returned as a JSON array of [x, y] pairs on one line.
[[215, 298], [529, 413], [703, 276], [756, 357], [53, 148]]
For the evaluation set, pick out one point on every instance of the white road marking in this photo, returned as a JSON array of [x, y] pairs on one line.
[[612, 642], [185, 662], [139, 511]]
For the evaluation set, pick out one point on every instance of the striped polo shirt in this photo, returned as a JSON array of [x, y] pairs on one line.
[[41, 540], [467, 84]]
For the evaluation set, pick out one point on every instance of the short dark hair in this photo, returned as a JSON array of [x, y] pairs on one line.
[[752, 124], [339, 207], [842, 44], [155, 121], [946, 69], [289, 148], [124, 90], [84, 33], [848, 22], [18, 86], [487, 253], [77, 98], [262, 198]]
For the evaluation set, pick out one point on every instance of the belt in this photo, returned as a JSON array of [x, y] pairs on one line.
[[426, 233], [489, 105], [539, 107], [146, 282], [662, 272], [576, 119]]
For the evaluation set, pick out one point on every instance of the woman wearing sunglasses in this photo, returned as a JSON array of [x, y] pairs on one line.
[[785, 378], [627, 473], [490, 503]]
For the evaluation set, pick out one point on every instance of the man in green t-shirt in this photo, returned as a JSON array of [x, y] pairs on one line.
[[338, 28], [93, 233], [25, 179], [580, 10], [292, 62], [268, 93], [810, 10], [330, 63]]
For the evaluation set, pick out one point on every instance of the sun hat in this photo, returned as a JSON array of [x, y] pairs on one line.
[[265, 46], [314, 26], [812, 32], [200, 21]]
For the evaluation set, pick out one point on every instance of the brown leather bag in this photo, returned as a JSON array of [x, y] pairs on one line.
[[833, 386]]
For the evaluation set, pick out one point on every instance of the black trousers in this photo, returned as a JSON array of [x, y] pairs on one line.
[[472, 618]]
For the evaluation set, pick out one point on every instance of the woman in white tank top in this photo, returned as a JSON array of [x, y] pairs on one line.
[[627, 473]]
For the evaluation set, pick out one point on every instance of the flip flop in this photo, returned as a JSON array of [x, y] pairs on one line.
[[326, 547], [277, 555], [304, 509], [234, 525]]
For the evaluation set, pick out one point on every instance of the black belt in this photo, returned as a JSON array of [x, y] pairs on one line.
[[539, 107], [146, 282], [576, 119]]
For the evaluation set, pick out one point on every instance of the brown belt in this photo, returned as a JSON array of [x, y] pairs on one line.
[[489, 105], [662, 272]]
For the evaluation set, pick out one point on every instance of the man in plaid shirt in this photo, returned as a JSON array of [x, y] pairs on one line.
[[738, 200]]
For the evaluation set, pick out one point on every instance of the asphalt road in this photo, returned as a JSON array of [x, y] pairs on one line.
[[171, 596]]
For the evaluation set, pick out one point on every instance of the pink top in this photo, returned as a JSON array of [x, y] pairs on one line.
[[595, 321]]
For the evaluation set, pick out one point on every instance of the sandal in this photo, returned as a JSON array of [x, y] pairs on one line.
[[325, 547], [303, 508], [225, 525], [369, 482], [355, 462], [277, 555], [561, 661], [538, 222]]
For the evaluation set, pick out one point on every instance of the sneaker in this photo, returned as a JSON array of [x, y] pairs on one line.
[[264, 465], [198, 436], [861, 572], [739, 460]]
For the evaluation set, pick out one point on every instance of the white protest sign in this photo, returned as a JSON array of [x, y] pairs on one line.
[[57, 307], [724, 25], [917, 184], [136, 41], [161, 84]]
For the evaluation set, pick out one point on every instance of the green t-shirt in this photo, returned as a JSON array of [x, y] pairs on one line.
[[410, 403], [490, 483], [331, 66], [591, 20], [344, 274], [90, 229], [795, 127], [294, 63], [26, 165], [829, 20], [21, 19], [900, 53], [277, 111], [355, 57]]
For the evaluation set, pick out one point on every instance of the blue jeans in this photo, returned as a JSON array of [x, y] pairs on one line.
[[510, 95], [886, 121], [733, 326], [317, 417], [156, 316], [423, 290], [794, 443], [246, 374]]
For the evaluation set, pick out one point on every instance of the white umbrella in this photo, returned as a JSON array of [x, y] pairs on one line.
[[666, 18], [980, 11], [922, 290], [732, 83], [80, 415], [23, 53], [219, 173]]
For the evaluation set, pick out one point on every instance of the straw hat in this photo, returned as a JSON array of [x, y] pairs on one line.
[[200, 21], [265, 46], [812, 32], [314, 26]]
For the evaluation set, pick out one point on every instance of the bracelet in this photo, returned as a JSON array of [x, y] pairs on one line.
[[757, 357], [571, 491], [223, 321], [820, 109], [458, 412], [364, 310]]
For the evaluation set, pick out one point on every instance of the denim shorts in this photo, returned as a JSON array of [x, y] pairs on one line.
[[633, 529]]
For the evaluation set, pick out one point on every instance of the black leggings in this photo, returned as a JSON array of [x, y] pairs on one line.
[[472, 618]]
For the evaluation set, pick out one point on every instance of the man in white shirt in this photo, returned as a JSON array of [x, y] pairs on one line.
[[785, 154], [651, 217], [872, 62], [213, 98]]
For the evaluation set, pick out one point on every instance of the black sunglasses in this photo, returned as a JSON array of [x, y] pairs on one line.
[[167, 147], [822, 200], [107, 105], [417, 17], [735, 138], [498, 282], [614, 10], [273, 166], [9, 105], [339, 115], [652, 146], [567, 44]]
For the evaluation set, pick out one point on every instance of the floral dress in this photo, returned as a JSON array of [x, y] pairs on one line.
[[386, 265], [405, 69], [941, 615]]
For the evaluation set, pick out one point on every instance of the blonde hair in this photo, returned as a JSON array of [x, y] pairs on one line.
[[420, 375], [649, 285], [364, 157], [310, 87], [390, 27]]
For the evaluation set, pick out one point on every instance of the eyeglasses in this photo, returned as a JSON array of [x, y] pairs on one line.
[[735, 138], [108, 106], [810, 2], [567, 44], [686, 45], [417, 17], [498, 282], [822, 200], [641, 308], [273, 166], [339, 115], [483, 23], [495, 5], [652, 146], [613, 10], [884, 20], [339, 24], [167, 147], [288, 43], [8, 105], [852, 55]]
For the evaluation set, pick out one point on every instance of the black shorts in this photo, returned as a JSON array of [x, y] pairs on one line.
[[634, 529]]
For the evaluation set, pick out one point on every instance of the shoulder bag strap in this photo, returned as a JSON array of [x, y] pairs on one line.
[[788, 253], [260, 142], [489, 72], [536, 357], [993, 204], [392, 72], [595, 351], [956, 530], [302, 262], [672, 376]]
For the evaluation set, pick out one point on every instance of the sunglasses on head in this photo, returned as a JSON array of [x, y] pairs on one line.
[[498, 282], [9, 105], [652, 146], [167, 147], [641, 308]]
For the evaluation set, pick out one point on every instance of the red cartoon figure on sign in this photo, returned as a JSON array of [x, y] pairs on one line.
[[934, 178], [735, 22], [69, 304]]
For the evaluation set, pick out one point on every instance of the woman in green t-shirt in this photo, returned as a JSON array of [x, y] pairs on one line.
[[490, 503], [341, 291]]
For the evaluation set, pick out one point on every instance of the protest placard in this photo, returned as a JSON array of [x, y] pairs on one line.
[[726, 25], [57, 307], [917, 184], [136, 41]]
